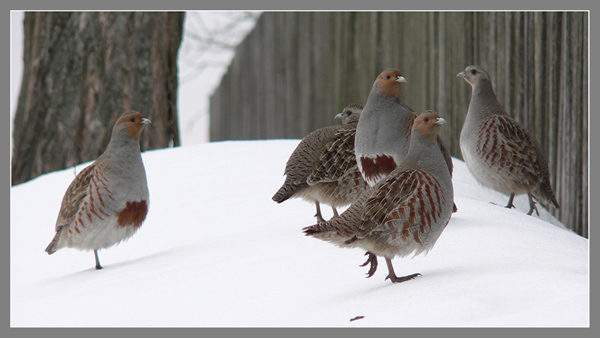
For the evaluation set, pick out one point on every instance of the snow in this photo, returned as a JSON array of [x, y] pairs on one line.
[[216, 251]]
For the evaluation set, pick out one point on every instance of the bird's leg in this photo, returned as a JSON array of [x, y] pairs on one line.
[[371, 260], [392, 275], [510, 204], [335, 213], [318, 215], [98, 266], [532, 206]]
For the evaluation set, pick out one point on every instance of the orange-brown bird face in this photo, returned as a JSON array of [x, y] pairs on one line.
[[390, 82], [428, 125], [135, 123]]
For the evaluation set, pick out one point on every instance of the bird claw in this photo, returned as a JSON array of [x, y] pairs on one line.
[[532, 209], [371, 260], [396, 279], [532, 206]]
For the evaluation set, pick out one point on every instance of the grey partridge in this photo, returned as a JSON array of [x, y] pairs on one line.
[[383, 133], [107, 201], [500, 153], [405, 212], [322, 168]]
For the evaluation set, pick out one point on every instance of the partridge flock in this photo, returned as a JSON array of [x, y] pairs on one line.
[[387, 163], [406, 211], [409, 198]]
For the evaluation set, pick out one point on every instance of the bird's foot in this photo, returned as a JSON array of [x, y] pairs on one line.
[[395, 279], [532, 206], [98, 266], [531, 209], [510, 204], [371, 260]]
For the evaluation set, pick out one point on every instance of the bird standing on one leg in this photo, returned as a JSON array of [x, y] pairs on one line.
[[320, 169], [497, 150], [108, 200], [404, 212]]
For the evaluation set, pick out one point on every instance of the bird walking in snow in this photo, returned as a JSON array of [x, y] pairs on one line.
[[108, 200], [322, 168], [383, 133], [403, 213], [497, 150]]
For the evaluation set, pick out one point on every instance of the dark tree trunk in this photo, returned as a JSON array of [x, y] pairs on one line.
[[81, 71]]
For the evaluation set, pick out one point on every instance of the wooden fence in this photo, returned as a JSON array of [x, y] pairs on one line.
[[296, 70]]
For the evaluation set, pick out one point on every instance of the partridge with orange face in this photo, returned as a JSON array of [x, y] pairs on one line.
[[108, 200], [405, 212], [383, 134], [497, 150]]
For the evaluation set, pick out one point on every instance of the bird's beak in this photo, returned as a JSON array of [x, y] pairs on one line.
[[440, 120], [340, 116], [461, 74], [146, 121], [400, 79]]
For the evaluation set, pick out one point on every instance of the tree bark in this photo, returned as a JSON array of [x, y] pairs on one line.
[[82, 71]]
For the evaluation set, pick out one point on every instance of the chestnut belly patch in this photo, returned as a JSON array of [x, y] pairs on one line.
[[133, 214], [378, 166]]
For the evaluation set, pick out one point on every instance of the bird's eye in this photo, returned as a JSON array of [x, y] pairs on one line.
[[132, 119], [388, 77], [426, 120], [473, 71]]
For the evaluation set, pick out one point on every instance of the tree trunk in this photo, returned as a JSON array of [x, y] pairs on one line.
[[82, 71]]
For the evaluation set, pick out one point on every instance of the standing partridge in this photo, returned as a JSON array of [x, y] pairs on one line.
[[404, 212], [383, 133], [322, 168], [108, 200], [497, 150]]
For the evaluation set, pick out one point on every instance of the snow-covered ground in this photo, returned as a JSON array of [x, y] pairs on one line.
[[216, 251]]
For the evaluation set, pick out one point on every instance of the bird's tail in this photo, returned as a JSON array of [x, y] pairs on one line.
[[53, 246], [545, 193], [283, 194], [340, 229], [290, 187]]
